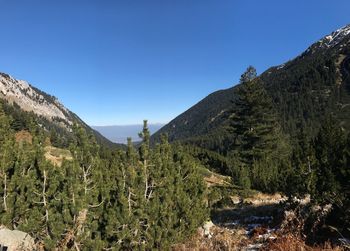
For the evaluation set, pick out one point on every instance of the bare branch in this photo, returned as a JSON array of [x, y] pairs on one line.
[[94, 206]]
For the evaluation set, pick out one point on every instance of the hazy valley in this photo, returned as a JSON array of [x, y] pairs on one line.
[[120, 133]]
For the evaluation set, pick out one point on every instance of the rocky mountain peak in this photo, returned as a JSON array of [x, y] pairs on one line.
[[336, 38]]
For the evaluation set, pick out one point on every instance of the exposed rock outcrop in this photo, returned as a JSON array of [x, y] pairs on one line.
[[16, 240]]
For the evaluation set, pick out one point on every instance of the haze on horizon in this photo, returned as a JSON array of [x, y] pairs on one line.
[[116, 62]]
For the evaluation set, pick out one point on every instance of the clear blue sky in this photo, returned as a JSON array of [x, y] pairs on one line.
[[118, 62]]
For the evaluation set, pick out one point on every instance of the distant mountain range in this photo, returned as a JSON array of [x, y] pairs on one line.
[[304, 90], [120, 133]]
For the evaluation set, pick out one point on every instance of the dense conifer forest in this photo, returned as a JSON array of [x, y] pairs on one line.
[[139, 198]]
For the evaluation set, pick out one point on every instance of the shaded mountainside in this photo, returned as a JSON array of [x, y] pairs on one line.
[[201, 118], [27, 104], [303, 91]]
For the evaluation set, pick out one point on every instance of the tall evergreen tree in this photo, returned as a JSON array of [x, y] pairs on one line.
[[258, 138], [248, 76], [301, 177], [7, 160], [330, 150]]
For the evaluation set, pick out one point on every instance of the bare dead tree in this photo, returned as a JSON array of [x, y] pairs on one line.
[[87, 178], [5, 192], [43, 196], [130, 201]]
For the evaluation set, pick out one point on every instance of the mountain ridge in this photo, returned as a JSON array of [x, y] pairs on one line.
[[32, 99], [21, 95]]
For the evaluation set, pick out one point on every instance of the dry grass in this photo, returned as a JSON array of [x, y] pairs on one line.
[[293, 243], [222, 239], [217, 180], [57, 155], [231, 240], [53, 154], [264, 199], [23, 136]]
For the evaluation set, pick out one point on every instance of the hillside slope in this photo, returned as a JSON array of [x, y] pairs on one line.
[[303, 90], [26, 103]]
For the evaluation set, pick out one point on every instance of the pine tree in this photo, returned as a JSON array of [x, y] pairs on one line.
[[145, 199], [7, 160], [258, 135], [345, 184], [301, 177], [255, 123], [329, 147], [249, 75]]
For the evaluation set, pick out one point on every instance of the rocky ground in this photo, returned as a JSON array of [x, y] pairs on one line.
[[253, 224]]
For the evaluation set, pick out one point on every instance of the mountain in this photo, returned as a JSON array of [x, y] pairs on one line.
[[303, 91], [24, 103], [120, 133]]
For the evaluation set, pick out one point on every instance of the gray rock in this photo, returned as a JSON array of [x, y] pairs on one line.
[[207, 226], [16, 240]]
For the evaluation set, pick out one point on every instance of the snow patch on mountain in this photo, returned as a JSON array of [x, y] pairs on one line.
[[339, 38], [334, 38], [28, 99], [281, 66]]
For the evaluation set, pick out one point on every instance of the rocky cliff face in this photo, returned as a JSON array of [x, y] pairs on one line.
[[30, 99], [47, 111]]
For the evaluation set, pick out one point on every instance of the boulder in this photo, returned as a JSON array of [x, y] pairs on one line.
[[16, 240], [207, 226], [236, 200]]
